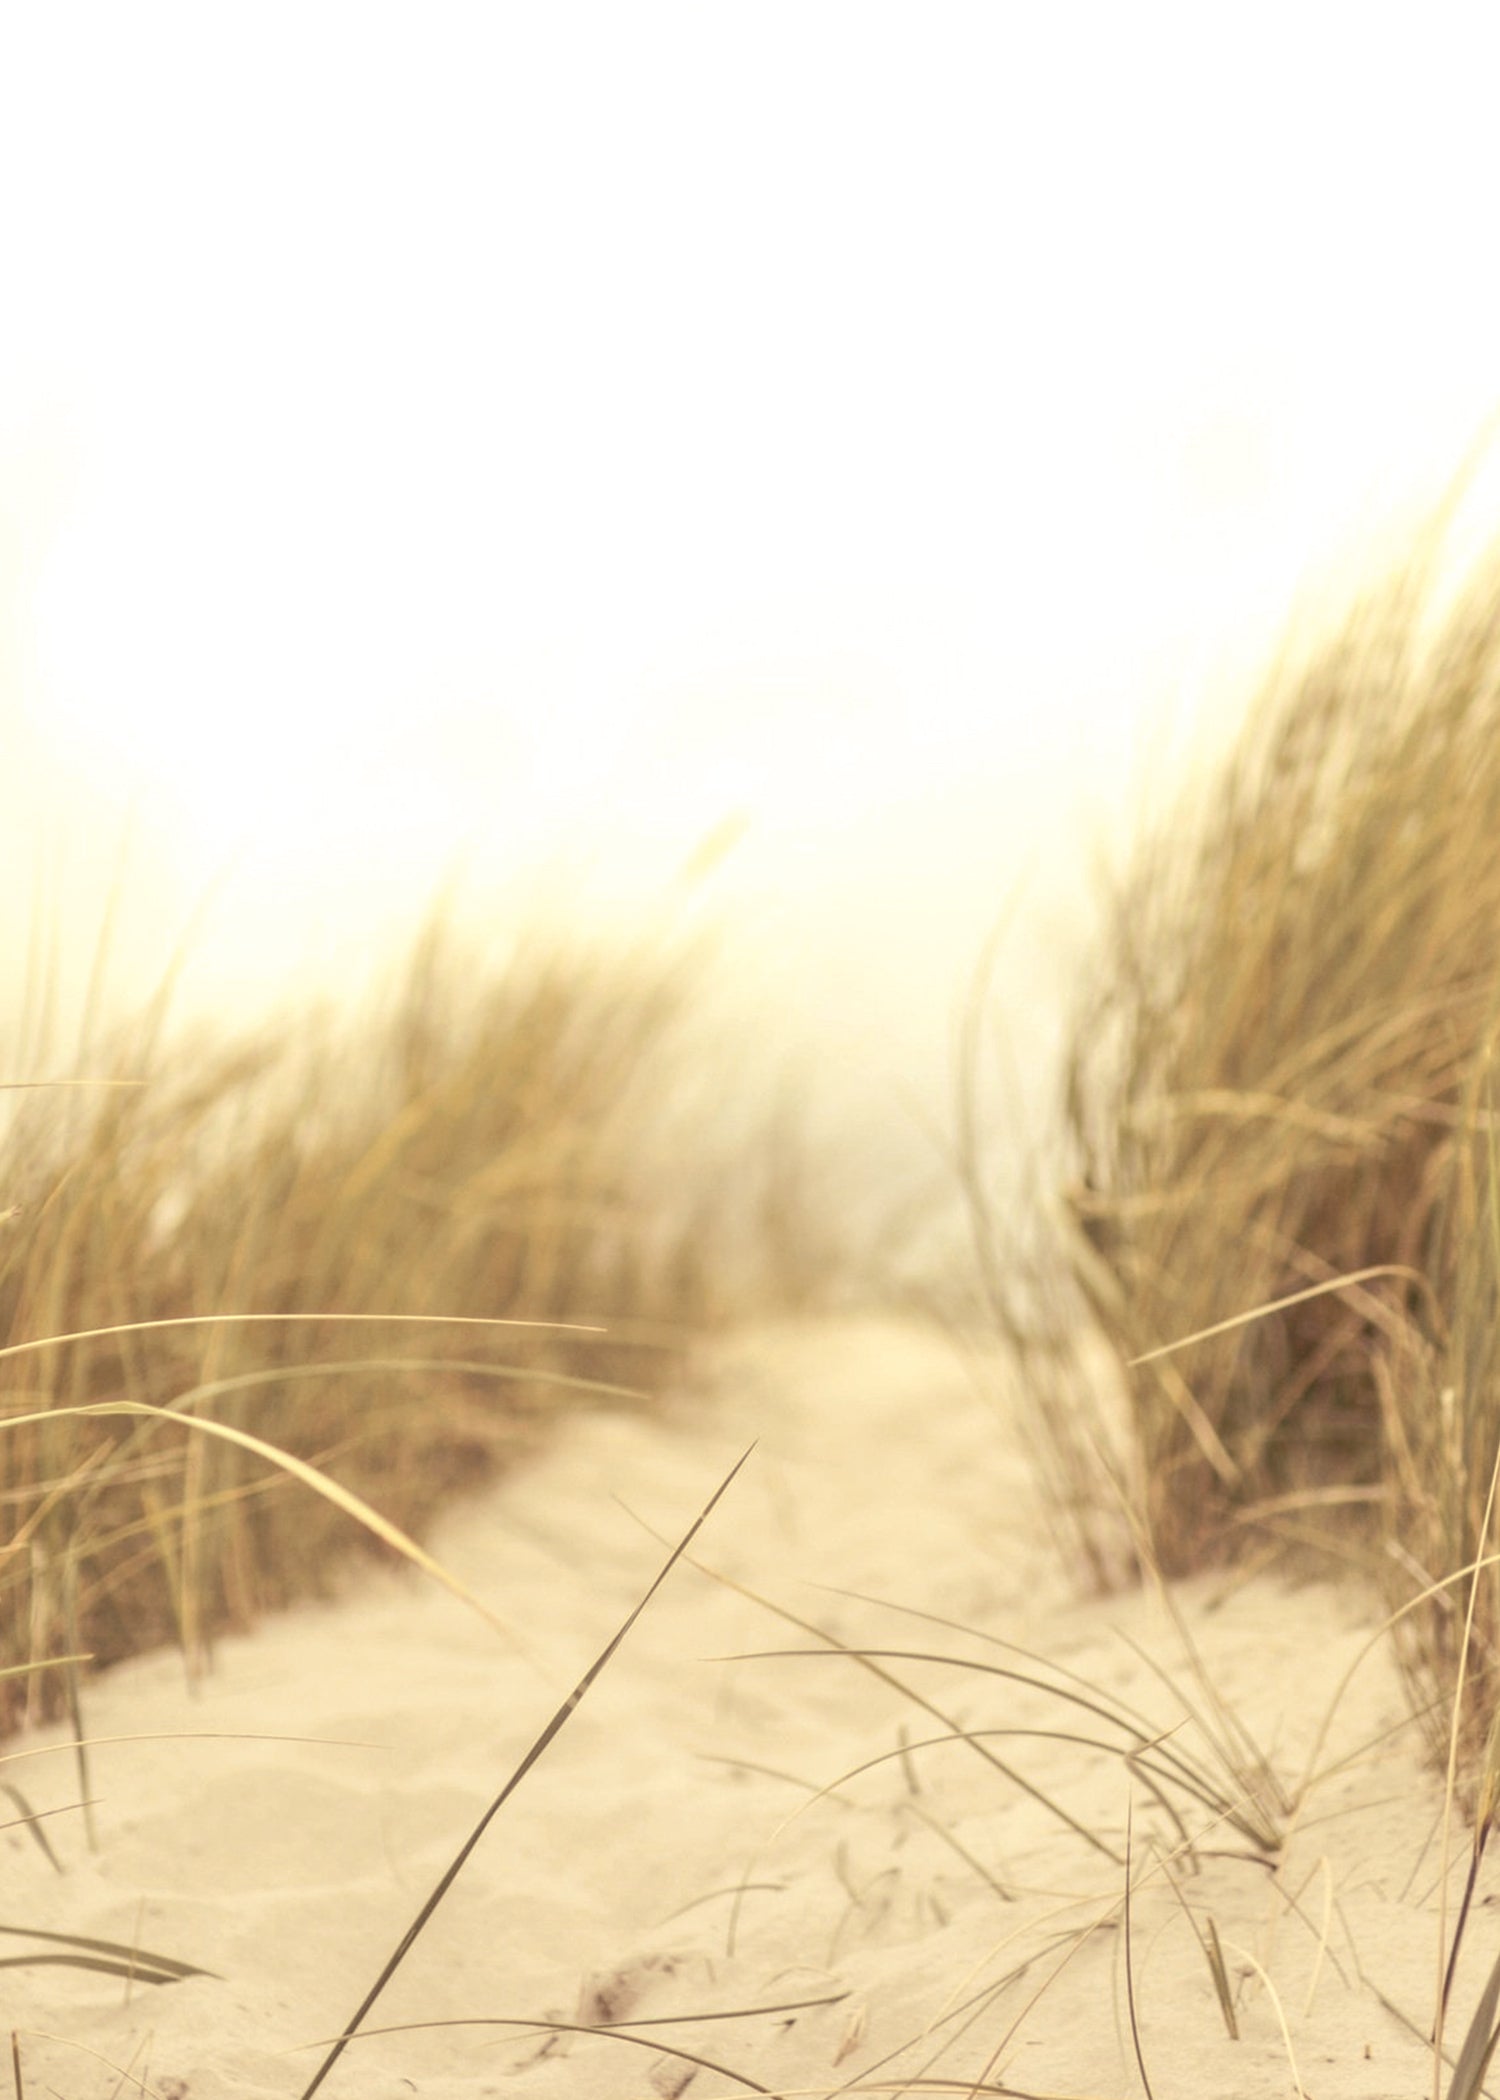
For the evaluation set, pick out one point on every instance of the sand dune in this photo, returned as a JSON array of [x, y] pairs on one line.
[[670, 1859]]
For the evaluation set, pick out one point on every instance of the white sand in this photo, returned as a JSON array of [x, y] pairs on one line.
[[647, 1869]]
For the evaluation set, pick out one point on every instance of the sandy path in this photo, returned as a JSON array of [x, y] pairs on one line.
[[646, 1869]]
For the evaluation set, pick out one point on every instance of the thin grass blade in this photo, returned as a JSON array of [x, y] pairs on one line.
[[532, 1756]]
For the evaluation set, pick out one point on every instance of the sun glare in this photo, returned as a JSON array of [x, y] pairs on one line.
[[487, 441]]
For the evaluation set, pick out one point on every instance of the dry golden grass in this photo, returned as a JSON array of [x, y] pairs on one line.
[[1280, 1089], [527, 1148]]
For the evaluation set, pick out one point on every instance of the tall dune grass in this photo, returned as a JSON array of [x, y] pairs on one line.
[[533, 1147], [1280, 1093]]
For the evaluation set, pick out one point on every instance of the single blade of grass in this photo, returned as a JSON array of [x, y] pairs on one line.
[[321, 1483], [1458, 1931], [48, 1662], [32, 1820], [1207, 1936], [1281, 2020], [613, 2033], [503, 1374], [1275, 1305], [182, 1735], [134, 1969], [1135, 2028], [537, 1750], [246, 1319], [151, 1968], [1479, 2043], [1215, 1955]]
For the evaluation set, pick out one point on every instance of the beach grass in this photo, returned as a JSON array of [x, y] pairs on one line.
[[1277, 1132], [264, 1303], [389, 1249]]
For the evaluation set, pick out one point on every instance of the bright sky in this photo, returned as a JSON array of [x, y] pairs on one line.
[[535, 434]]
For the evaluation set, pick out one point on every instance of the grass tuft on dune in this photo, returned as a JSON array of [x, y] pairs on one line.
[[384, 1199], [1278, 1111]]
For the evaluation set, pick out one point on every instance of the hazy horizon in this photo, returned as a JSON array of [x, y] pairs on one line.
[[532, 444]]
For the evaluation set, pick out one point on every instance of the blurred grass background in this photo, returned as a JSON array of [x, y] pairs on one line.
[[560, 1140]]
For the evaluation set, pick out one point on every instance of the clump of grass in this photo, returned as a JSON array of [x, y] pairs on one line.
[[1278, 1113], [477, 1150]]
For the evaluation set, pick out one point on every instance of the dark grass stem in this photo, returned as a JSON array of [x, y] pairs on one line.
[[533, 1755], [1135, 2030]]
